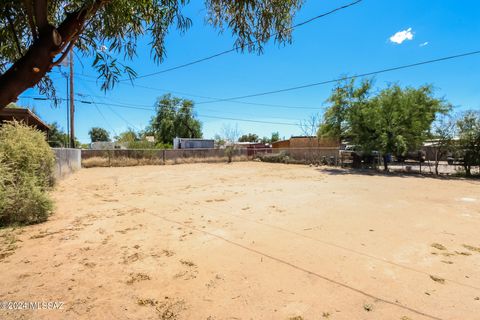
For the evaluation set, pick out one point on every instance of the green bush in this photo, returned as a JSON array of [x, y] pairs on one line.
[[26, 174]]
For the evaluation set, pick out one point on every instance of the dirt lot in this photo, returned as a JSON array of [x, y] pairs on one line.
[[249, 241]]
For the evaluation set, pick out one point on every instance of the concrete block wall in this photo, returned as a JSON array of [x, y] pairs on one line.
[[67, 161]]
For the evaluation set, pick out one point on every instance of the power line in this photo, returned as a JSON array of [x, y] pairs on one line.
[[249, 120], [214, 99], [149, 109], [131, 125], [299, 87], [345, 78], [248, 44], [104, 118], [233, 99], [113, 111]]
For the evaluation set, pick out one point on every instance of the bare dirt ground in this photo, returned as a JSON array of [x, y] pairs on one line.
[[249, 241]]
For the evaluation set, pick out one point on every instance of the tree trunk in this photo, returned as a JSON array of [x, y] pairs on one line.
[[39, 59], [385, 163], [468, 171], [30, 69]]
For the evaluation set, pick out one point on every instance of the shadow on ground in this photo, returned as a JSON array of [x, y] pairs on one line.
[[372, 172]]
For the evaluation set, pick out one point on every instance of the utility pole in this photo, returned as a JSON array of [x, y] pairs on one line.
[[67, 100], [72, 105]]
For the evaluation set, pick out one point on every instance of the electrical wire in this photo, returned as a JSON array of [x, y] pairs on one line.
[[150, 109], [245, 45], [209, 97], [360, 75]]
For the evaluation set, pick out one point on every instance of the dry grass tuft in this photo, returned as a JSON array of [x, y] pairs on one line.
[[119, 162], [471, 248], [437, 279], [438, 246]]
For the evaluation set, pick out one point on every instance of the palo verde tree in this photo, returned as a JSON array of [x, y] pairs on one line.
[[36, 35]]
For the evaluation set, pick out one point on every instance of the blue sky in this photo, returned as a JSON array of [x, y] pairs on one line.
[[354, 40]]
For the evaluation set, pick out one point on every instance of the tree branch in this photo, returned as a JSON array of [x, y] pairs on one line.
[[66, 51], [12, 28], [41, 9], [30, 17]]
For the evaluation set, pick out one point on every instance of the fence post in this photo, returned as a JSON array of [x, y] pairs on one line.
[[163, 156]]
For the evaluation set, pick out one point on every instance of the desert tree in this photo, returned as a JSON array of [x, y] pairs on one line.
[[345, 96], [250, 137], [175, 117], [98, 134], [275, 137], [393, 121], [396, 120], [37, 35], [443, 135], [309, 128], [231, 135], [219, 141], [469, 140]]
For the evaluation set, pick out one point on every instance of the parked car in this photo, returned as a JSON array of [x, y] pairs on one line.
[[358, 158], [455, 158], [419, 155]]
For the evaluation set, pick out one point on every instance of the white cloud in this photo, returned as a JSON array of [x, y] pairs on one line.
[[424, 44], [401, 36]]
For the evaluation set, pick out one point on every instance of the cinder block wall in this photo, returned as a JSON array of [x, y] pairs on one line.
[[67, 161]]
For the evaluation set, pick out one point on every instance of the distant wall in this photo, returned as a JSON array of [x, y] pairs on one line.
[[306, 142], [312, 142], [281, 144], [134, 157], [67, 161]]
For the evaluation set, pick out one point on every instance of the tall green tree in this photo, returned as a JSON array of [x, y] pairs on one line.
[[469, 140], [275, 137], [250, 137], [345, 96], [98, 134], [175, 118], [57, 138], [36, 35], [128, 136], [395, 121]]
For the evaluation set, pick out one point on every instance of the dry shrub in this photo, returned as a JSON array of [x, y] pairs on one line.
[[188, 160], [129, 162], [119, 162], [26, 174]]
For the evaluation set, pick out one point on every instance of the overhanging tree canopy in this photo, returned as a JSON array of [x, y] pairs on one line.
[[36, 35]]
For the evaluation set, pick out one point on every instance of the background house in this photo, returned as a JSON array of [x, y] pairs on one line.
[[191, 143], [306, 142], [23, 115], [107, 145]]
